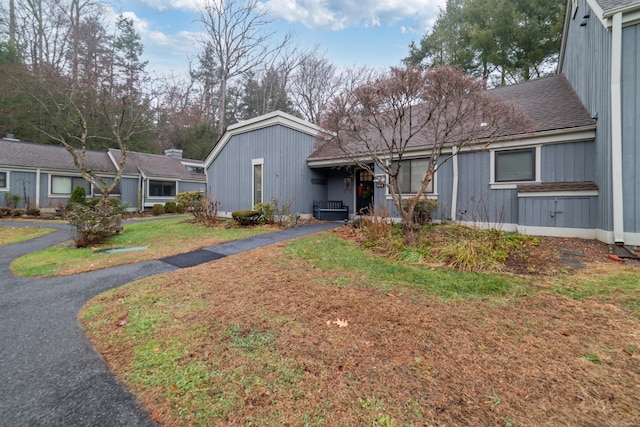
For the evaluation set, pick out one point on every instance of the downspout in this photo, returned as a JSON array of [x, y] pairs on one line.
[[38, 188], [454, 189], [616, 129], [141, 181]]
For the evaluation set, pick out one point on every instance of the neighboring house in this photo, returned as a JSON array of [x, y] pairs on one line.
[[575, 175], [44, 176]]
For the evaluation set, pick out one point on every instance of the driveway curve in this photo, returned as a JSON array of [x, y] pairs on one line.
[[50, 373]]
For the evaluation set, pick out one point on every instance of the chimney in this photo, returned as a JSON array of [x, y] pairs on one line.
[[173, 152]]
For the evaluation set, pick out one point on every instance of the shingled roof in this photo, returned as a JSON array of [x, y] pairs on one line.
[[609, 5], [157, 165], [49, 157], [550, 103]]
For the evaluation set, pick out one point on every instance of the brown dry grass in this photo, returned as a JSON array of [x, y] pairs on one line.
[[403, 358]]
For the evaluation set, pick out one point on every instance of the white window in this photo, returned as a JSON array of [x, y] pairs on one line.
[[511, 167], [411, 174], [256, 172], [4, 180], [64, 185]]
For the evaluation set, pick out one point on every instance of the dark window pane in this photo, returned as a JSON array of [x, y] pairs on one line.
[[515, 165]]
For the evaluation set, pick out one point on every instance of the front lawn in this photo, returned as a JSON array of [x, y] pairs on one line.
[[318, 331], [161, 238], [15, 234]]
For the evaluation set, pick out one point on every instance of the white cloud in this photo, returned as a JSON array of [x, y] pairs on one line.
[[162, 5], [341, 14]]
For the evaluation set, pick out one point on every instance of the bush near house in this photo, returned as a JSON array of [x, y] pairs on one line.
[[79, 197], [246, 218], [158, 209], [170, 207]]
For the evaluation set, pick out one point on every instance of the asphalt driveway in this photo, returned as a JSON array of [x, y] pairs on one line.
[[49, 373]]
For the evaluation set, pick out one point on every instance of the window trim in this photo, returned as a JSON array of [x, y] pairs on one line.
[[254, 163], [498, 185], [150, 197], [428, 194], [7, 175], [51, 194]]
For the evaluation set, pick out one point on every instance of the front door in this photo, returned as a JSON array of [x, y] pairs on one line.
[[364, 192]]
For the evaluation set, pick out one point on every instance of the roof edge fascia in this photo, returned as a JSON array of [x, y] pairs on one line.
[[266, 120], [578, 134]]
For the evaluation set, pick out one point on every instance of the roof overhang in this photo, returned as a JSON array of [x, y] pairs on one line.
[[557, 136]]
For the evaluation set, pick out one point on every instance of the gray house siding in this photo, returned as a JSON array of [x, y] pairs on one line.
[[631, 127], [569, 162], [570, 212], [285, 172], [129, 192], [587, 66], [19, 182]]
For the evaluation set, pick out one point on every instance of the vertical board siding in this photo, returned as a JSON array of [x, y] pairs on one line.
[[567, 212], [631, 127], [587, 66], [18, 183], [569, 162], [286, 175]]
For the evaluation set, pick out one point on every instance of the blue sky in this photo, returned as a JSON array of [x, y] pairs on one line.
[[373, 33]]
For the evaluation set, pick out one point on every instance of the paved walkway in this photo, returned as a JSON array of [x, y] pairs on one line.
[[49, 373]]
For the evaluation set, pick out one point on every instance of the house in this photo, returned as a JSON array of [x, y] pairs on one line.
[[264, 158], [575, 175], [599, 56], [44, 176]]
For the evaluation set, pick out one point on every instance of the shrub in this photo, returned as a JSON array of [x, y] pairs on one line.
[[202, 206], [33, 212], [94, 226], [5, 211], [267, 212], [245, 218], [423, 212], [11, 200], [190, 200], [170, 207], [17, 212], [158, 209], [113, 202], [79, 197]]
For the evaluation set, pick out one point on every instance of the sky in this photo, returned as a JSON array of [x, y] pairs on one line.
[[349, 33]]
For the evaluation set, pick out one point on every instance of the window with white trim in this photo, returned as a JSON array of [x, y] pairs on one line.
[[411, 174], [513, 166], [162, 188], [4, 180], [257, 181], [64, 185]]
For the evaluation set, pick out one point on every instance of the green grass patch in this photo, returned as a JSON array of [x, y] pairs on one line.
[[161, 237], [329, 252], [15, 234]]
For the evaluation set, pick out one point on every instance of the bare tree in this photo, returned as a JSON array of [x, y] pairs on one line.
[[440, 110], [238, 39], [70, 111], [314, 84]]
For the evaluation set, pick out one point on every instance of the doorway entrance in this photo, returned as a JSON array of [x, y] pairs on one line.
[[364, 191]]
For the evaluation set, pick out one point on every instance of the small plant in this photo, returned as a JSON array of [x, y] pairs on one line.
[[17, 212], [170, 207], [202, 206], [95, 225], [282, 212], [33, 212], [423, 212], [246, 218], [157, 209], [267, 212], [12, 200], [78, 197], [593, 357]]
